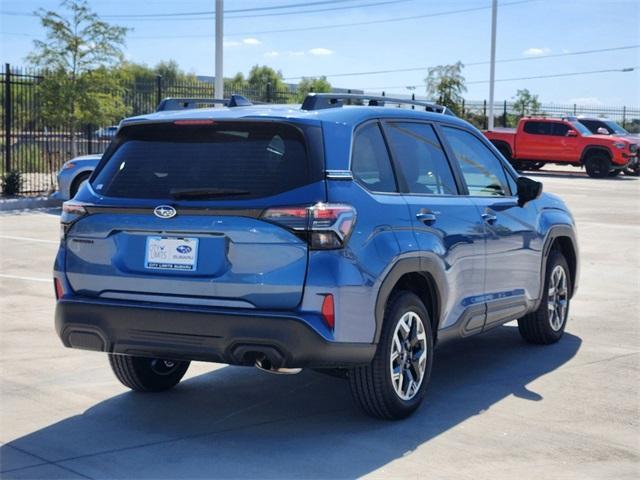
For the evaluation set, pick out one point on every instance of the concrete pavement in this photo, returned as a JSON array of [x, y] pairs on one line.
[[496, 408]]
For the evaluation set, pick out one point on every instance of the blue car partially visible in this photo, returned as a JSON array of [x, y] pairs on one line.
[[349, 238]]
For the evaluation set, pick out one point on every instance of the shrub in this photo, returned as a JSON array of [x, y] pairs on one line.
[[12, 183]]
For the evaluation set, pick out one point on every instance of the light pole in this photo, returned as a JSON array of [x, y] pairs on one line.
[[219, 85], [492, 73]]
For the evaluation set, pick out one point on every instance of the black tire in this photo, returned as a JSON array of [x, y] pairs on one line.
[[147, 374], [372, 386], [614, 173], [535, 165], [77, 182], [597, 166], [632, 171], [536, 327]]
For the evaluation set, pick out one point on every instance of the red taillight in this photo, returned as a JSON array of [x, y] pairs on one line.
[[57, 285], [328, 311], [328, 225], [72, 208], [194, 122]]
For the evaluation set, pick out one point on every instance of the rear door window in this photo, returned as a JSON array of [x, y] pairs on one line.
[[537, 128], [222, 160], [420, 158], [370, 161]]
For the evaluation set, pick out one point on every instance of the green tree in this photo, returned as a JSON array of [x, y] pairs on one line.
[[78, 48], [235, 84], [312, 84], [261, 76], [445, 84], [525, 103]]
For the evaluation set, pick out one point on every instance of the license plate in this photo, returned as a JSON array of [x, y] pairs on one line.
[[170, 253]]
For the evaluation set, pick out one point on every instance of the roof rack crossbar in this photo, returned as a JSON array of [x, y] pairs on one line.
[[319, 101], [180, 103]]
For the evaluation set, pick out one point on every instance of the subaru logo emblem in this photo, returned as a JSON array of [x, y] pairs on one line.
[[183, 249], [164, 211]]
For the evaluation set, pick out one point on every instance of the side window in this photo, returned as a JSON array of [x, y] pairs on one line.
[[560, 129], [537, 128], [532, 128], [481, 169], [420, 158], [370, 161]]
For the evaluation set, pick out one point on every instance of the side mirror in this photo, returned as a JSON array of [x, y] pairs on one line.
[[572, 133], [527, 190], [602, 131]]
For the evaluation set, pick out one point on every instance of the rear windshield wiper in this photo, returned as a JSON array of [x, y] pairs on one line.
[[178, 193]]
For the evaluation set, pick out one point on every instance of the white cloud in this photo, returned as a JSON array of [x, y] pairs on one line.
[[272, 54], [586, 101], [251, 41], [320, 51], [536, 52], [231, 43]]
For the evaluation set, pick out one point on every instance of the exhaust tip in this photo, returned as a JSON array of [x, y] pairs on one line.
[[263, 363]]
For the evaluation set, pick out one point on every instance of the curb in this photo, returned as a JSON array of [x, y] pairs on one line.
[[28, 203]]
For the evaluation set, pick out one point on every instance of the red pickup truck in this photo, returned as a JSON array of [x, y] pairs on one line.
[[538, 141]]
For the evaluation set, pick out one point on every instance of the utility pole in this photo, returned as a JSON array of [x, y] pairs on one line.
[[219, 85], [492, 73]]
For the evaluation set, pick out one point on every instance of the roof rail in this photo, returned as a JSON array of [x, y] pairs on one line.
[[319, 101], [188, 103]]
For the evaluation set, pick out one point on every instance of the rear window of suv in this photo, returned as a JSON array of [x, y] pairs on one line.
[[231, 160]]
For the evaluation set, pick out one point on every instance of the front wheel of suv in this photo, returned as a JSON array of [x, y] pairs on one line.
[[147, 374], [546, 325], [393, 385]]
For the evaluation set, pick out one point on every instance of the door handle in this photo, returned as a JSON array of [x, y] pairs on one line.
[[489, 218], [426, 217]]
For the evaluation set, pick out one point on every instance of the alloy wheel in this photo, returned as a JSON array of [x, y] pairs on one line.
[[557, 297], [408, 356]]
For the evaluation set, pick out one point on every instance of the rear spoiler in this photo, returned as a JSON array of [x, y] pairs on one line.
[[189, 103]]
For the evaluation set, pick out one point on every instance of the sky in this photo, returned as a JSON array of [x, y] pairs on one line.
[[539, 38]]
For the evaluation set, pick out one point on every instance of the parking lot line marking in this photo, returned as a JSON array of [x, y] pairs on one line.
[[31, 279], [28, 239]]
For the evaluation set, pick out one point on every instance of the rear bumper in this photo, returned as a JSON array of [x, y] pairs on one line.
[[235, 337]]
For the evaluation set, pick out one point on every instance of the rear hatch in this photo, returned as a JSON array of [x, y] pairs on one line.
[[175, 214]]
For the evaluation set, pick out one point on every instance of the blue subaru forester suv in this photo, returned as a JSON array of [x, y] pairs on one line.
[[337, 237]]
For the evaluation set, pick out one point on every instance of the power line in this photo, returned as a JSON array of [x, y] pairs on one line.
[[534, 77], [275, 14], [506, 60], [207, 12], [341, 25]]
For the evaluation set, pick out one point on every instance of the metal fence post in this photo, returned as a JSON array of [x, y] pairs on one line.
[[158, 89], [413, 97], [575, 109], [463, 108], [89, 143], [7, 118], [624, 117], [268, 92], [485, 119], [504, 115]]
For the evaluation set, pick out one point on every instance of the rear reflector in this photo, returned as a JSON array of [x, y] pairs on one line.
[[328, 311], [57, 285]]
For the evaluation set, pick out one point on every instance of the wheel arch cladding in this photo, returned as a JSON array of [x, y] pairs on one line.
[[417, 275], [592, 150], [565, 246]]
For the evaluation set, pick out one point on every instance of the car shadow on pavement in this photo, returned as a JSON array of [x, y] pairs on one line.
[[240, 422]]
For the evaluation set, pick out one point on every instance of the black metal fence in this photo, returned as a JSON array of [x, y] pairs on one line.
[[36, 146]]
